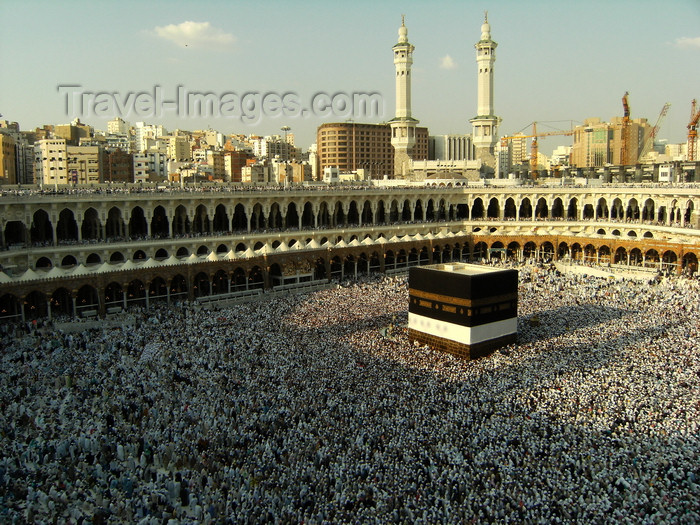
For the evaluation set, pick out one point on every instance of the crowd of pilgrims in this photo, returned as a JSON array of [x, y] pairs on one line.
[[316, 408]]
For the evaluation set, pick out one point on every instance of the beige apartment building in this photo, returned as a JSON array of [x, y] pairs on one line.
[[50, 165]]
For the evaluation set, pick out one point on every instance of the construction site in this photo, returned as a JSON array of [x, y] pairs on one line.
[[625, 149]]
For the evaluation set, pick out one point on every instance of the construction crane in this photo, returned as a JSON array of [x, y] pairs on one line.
[[693, 130], [534, 146], [625, 132], [649, 142]]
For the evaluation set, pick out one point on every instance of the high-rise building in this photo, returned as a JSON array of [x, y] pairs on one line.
[[485, 124], [598, 143], [403, 125], [351, 146], [8, 162]]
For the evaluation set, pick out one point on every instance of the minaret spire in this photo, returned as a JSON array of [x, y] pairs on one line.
[[403, 125], [485, 124]]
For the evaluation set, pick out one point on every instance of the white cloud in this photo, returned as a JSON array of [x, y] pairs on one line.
[[195, 34], [688, 42], [447, 62]]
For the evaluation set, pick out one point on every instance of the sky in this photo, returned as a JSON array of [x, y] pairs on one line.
[[557, 63]]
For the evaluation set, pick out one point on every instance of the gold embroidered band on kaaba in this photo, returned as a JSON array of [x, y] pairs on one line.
[[457, 301]]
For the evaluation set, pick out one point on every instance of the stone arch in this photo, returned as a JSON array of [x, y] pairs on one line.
[[557, 209], [136, 293], [669, 260], [576, 251], [616, 211], [292, 216], [137, 223], [114, 227], [620, 255], [320, 269], [478, 208], [201, 287], [367, 214], [160, 225], [406, 214], [15, 233], [10, 308], [635, 256], [161, 254], [513, 250], [93, 259], [90, 229], [462, 212], [688, 212], [430, 211], [572, 210], [35, 305], [257, 218], [181, 222], [353, 216], [220, 283], [509, 211], [649, 210], [632, 210], [87, 299], [43, 263], [601, 209], [690, 262], [61, 302], [525, 209], [381, 213], [256, 278], [418, 212], [542, 209], [178, 288], [220, 223], [69, 261], [239, 221], [547, 251], [239, 280], [158, 289], [275, 218], [588, 212], [114, 296], [139, 255], [201, 224], [307, 216], [41, 231], [117, 257], [562, 250], [324, 217], [494, 209], [67, 226]]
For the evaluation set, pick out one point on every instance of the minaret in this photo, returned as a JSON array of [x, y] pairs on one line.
[[403, 126], [485, 124]]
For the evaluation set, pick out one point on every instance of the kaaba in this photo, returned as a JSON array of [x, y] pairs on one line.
[[467, 310]]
